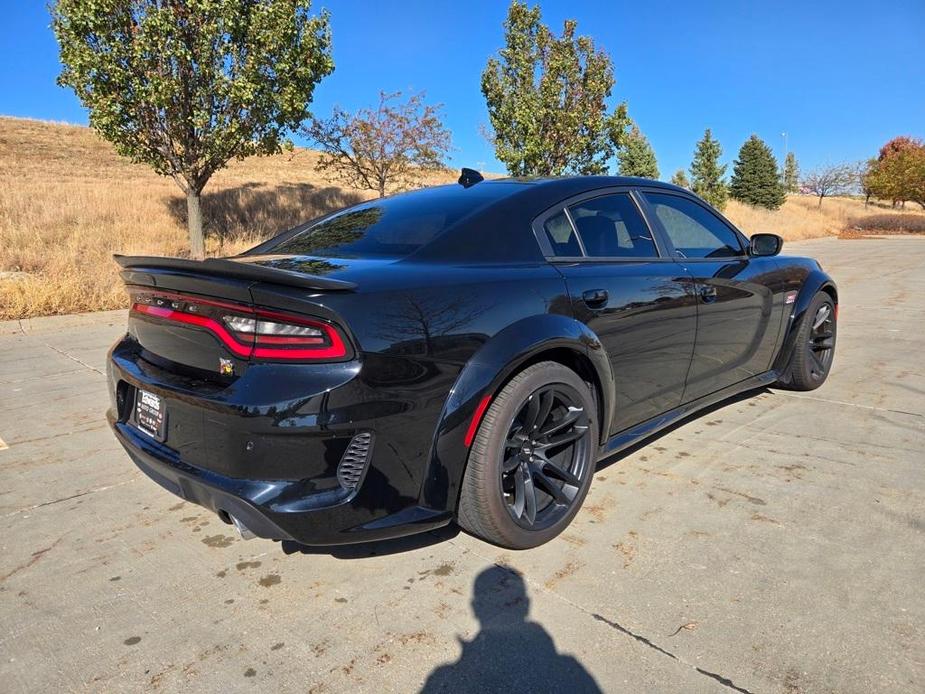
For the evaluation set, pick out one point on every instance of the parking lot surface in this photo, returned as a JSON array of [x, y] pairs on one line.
[[773, 544]]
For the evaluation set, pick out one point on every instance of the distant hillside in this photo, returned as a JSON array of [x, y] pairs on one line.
[[68, 203]]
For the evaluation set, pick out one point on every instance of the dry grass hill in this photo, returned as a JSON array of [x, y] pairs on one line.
[[68, 202]]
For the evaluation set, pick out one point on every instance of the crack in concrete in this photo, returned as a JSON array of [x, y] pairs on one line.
[[70, 356], [846, 404], [67, 498], [724, 681]]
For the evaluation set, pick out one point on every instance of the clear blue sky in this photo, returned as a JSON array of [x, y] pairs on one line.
[[840, 78]]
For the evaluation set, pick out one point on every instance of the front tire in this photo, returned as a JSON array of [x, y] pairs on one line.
[[532, 460], [814, 348]]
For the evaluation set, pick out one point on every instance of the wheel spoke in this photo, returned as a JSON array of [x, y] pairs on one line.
[[565, 437], [533, 409], [509, 463], [547, 398], [529, 495], [550, 487], [821, 316], [561, 473], [817, 363], [519, 485], [573, 415]]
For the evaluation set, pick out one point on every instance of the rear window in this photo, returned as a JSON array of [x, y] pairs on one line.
[[392, 227]]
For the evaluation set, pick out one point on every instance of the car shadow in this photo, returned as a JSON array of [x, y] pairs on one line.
[[510, 653]]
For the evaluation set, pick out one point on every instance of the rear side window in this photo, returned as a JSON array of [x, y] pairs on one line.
[[612, 227], [561, 236], [392, 227], [694, 231]]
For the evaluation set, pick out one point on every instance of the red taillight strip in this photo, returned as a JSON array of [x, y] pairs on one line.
[[209, 324], [476, 419], [335, 350]]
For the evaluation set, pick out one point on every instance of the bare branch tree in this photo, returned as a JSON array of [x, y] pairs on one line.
[[390, 147], [833, 179]]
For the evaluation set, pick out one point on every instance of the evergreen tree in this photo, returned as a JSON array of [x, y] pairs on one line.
[[754, 176], [636, 157], [680, 179], [791, 174], [706, 172]]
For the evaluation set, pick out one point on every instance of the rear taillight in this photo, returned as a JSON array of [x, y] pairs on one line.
[[247, 332]]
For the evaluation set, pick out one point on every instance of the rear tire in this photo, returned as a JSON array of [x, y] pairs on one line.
[[814, 348], [532, 460]]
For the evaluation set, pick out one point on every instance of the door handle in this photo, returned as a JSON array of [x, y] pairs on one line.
[[708, 294], [594, 298]]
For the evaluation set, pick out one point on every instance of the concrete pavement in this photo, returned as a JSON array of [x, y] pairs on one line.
[[773, 544]]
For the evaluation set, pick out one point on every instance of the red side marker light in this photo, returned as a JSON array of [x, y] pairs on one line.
[[476, 419]]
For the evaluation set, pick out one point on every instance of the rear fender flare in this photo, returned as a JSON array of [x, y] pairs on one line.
[[496, 362]]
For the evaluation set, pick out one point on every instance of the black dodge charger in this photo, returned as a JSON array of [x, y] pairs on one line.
[[465, 353]]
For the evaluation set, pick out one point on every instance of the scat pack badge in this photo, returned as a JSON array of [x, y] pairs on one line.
[[225, 366]]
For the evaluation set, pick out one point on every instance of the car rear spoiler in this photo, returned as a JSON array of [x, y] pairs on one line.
[[222, 267]]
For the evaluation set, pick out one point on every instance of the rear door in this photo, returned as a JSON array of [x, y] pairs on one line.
[[630, 292], [736, 329]]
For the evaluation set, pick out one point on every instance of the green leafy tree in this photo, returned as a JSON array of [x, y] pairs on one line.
[[636, 157], [389, 147], [754, 176], [707, 173], [547, 99], [791, 173], [184, 86], [679, 178]]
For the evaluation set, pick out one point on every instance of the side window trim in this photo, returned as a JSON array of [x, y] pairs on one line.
[[653, 219], [563, 206]]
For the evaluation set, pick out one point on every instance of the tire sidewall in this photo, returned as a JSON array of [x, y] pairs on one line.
[[492, 442], [802, 361]]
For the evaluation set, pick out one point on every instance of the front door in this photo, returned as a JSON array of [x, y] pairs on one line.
[[638, 301], [738, 324]]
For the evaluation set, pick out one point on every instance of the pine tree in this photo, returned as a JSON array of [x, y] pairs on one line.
[[791, 173], [706, 172], [680, 179], [636, 157], [754, 176]]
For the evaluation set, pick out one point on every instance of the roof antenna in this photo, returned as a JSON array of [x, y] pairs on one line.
[[469, 177]]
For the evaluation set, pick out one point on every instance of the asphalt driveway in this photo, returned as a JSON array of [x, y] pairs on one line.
[[773, 544]]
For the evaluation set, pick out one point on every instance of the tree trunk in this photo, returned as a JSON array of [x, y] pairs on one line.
[[194, 223], [820, 200], [382, 189]]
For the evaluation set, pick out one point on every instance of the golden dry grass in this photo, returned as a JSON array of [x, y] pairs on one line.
[[68, 202], [801, 217]]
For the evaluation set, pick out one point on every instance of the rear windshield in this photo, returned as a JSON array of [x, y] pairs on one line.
[[392, 227]]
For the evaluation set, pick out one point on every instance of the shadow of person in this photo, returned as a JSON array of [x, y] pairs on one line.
[[509, 653]]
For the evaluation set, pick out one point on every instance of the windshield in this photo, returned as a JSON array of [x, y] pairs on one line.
[[392, 227]]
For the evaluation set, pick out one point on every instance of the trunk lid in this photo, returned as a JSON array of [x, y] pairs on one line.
[[201, 316]]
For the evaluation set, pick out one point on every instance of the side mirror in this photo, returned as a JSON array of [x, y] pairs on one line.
[[765, 244]]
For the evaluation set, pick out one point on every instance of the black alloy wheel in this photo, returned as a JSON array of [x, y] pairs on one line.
[[532, 461], [544, 460], [814, 348]]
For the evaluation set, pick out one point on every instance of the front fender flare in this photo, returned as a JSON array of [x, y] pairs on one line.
[[489, 368], [815, 281]]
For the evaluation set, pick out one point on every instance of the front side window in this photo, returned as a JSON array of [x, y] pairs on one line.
[[612, 227], [694, 231]]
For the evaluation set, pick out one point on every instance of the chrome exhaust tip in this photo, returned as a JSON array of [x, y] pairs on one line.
[[245, 532]]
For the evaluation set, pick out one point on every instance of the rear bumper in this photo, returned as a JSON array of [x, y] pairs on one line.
[[290, 490], [276, 510]]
